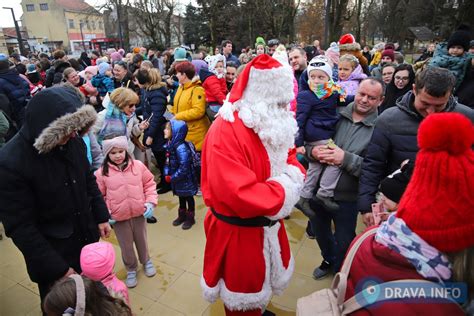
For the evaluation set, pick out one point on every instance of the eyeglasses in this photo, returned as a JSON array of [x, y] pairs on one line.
[[401, 78]]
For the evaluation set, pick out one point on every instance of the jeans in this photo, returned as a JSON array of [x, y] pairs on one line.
[[334, 245]]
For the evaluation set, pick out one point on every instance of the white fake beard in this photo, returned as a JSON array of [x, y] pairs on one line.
[[275, 126]]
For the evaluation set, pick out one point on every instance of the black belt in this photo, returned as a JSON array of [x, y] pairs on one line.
[[259, 221]]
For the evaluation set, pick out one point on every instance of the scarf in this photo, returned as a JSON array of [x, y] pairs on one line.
[[325, 90], [428, 261]]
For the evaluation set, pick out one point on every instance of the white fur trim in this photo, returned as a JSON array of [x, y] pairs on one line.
[[227, 110], [280, 277], [292, 182], [63, 126], [349, 47], [276, 280], [269, 86]]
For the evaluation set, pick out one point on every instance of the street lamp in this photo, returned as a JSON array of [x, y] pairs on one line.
[[18, 34], [82, 36]]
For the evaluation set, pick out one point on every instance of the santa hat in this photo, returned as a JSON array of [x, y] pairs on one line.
[[437, 204], [320, 63], [264, 80], [347, 42], [97, 260]]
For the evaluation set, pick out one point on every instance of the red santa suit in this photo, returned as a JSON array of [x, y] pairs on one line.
[[247, 173]]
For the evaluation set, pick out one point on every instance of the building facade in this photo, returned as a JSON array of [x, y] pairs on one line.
[[66, 24]]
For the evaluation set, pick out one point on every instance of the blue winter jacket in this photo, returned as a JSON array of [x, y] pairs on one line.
[[17, 91], [103, 84], [154, 101], [316, 118], [179, 163]]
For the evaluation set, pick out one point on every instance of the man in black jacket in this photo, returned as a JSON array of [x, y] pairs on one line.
[[50, 204], [395, 136]]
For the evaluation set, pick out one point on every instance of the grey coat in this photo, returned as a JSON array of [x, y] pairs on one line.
[[353, 138], [4, 126]]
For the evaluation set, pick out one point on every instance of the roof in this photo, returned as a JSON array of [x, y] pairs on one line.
[[422, 33], [75, 5], [11, 32]]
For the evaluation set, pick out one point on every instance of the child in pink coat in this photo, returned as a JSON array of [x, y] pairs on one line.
[[97, 263], [129, 191]]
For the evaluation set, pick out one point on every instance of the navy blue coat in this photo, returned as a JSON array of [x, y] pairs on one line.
[[154, 101], [316, 118], [17, 91], [180, 162], [394, 140]]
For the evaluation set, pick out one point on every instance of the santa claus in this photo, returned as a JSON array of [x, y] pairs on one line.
[[250, 182]]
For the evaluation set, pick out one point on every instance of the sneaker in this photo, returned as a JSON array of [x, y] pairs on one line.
[[322, 271], [303, 206], [149, 269], [131, 280], [328, 202]]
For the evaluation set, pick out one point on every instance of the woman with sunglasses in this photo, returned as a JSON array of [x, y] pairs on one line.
[[402, 82]]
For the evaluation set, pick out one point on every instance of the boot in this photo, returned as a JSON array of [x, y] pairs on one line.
[[189, 222], [181, 217]]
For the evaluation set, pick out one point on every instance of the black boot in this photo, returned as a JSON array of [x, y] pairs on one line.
[[189, 222], [181, 217], [165, 188]]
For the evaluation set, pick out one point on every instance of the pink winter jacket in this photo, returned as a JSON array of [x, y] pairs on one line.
[[126, 192]]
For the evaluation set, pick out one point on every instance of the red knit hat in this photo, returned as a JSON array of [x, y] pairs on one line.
[[389, 52], [438, 203]]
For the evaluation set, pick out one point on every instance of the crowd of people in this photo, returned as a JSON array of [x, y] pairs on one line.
[[83, 140]]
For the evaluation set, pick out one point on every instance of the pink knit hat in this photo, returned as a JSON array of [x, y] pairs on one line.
[[97, 260], [118, 142], [92, 69], [115, 56]]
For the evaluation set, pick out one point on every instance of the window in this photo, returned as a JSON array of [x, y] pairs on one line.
[[30, 7], [81, 24], [43, 6], [88, 25], [100, 25], [71, 23], [93, 25]]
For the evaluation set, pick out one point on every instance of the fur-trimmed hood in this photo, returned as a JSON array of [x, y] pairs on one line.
[[349, 47], [53, 114]]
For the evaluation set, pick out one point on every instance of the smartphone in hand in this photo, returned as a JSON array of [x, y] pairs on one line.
[[379, 213]]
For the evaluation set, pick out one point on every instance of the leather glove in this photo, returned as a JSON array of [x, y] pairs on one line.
[[112, 221], [149, 208], [168, 179]]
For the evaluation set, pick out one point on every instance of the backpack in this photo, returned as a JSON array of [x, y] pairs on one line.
[[196, 157], [331, 302]]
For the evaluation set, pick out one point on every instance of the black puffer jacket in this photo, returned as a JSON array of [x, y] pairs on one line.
[[17, 91], [394, 140], [49, 201]]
